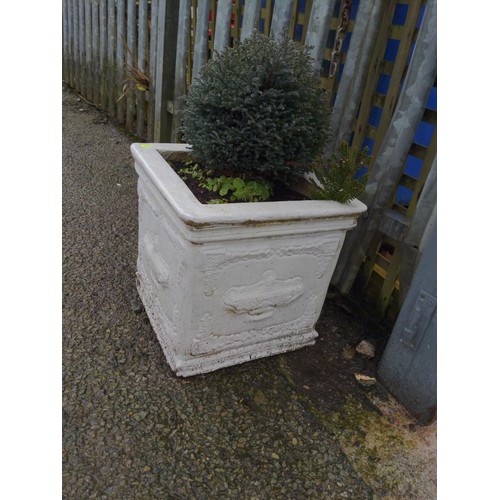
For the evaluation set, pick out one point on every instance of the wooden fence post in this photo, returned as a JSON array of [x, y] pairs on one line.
[[318, 27], [168, 18], [65, 42], [222, 25], [120, 58], [103, 40], [398, 139], [131, 59], [96, 74], [153, 42], [201, 37], [180, 64], [111, 73], [141, 63], [251, 16], [81, 47], [70, 41], [88, 51], [359, 58], [282, 14], [74, 11]]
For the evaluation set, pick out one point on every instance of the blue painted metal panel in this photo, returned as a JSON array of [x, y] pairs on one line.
[[383, 84], [400, 13], [432, 101], [413, 166], [391, 50], [375, 116], [403, 195], [367, 141], [424, 134]]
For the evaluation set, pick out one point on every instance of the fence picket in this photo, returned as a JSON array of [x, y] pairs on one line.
[[70, 42], [111, 74], [392, 95], [201, 40], [355, 72], [318, 27], [142, 46], [103, 40], [74, 15], [153, 40], [373, 73], [251, 16], [222, 25], [131, 59], [88, 50], [180, 63], [95, 51], [65, 42], [281, 17], [120, 58], [81, 47]]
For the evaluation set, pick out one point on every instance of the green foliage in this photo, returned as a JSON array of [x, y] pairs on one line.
[[257, 109], [336, 175], [191, 169], [227, 188], [237, 189]]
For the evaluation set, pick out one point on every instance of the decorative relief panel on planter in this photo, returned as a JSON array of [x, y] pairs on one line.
[[224, 284]]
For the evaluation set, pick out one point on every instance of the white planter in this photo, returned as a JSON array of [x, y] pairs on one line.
[[224, 284]]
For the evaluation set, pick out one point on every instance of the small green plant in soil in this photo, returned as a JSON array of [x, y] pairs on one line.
[[336, 175], [257, 111], [227, 189]]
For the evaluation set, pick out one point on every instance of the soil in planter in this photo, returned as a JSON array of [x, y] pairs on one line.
[[176, 161]]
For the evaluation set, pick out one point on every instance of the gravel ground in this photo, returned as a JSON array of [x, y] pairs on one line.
[[131, 428]]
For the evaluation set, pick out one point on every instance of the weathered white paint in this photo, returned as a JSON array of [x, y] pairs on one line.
[[282, 14], [142, 45], [222, 25], [225, 284], [201, 39], [181, 61], [317, 29], [251, 16], [103, 41], [111, 73], [352, 84], [120, 56], [152, 68], [131, 57]]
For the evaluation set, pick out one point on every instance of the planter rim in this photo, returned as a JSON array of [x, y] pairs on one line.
[[194, 213]]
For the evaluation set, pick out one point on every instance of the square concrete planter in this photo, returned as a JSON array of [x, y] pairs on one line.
[[225, 284]]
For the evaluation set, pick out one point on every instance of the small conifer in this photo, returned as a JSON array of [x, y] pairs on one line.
[[257, 110]]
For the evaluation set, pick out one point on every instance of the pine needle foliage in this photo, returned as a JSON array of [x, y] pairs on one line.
[[257, 109], [336, 175]]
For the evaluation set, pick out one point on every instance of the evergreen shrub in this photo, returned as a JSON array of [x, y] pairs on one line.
[[257, 109]]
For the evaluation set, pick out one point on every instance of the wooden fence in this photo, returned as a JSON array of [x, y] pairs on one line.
[[136, 59]]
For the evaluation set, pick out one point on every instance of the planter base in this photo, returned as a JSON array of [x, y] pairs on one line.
[[211, 362], [225, 284]]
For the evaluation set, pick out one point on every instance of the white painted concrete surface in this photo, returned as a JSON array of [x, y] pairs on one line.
[[225, 284]]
